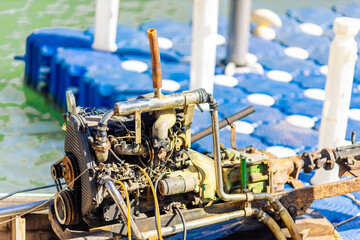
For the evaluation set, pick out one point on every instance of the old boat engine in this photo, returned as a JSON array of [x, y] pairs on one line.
[[128, 169]]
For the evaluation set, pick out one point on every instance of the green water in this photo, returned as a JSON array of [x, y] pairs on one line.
[[30, 129]]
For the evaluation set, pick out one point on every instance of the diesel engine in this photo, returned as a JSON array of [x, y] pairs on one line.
[[129, 169]]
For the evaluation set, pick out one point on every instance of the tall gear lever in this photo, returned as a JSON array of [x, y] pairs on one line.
[[155, 61]]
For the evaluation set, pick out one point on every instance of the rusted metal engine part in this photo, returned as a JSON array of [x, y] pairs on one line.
[[106, 152], [264, 171], [189, 178]]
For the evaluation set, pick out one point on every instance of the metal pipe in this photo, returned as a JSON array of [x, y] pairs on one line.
[[195, 224], [105, 118], [119, 201], [102, 126], [110, 186], [24, 208], [27, 190], [169, 101], [284, 214], [155, 61], [270, 223], [223, 123], [150, 104], [218, 167], [239, 31]]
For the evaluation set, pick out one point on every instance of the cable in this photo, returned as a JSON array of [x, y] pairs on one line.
[[115, 156], [157, 211], [347, 220], [182, 220], [158, 180], [28, 190], [128, 207], [157, 217], [31, 210]]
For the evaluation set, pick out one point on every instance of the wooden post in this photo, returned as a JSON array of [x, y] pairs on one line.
[[18, 229]]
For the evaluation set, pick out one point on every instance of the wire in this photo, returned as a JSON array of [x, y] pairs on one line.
[[158, 180], [115, 156], [182, 220], [128, 207], [121, 122], [155, 186], [347, 220], [44, 203], [157, 211], [28, 190]]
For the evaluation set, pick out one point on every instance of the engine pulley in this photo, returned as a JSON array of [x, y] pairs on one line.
[[67, 208], [70, 170]]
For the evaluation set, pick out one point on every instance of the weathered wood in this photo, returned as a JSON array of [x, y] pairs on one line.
[[38, 227], [18, 228]]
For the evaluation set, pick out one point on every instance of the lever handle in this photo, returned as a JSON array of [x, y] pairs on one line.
[[155, 61]]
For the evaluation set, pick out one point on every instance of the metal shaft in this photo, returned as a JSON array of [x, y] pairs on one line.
[[227, 121], [23, 208], [239, 31]]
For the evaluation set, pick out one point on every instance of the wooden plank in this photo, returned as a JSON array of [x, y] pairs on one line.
[[18, 229]]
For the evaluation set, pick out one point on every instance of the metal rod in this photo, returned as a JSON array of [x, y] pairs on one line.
[[218, 164], [119, 201], [110, 186], [27, 190], [196, 224], [155, 61], [239, 31], [243, 173], [277, 206], [19, 209], [227, 121]]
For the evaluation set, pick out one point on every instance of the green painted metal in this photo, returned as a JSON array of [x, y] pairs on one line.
[[243, 173]]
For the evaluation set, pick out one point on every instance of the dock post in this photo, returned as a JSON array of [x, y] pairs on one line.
[[342, 58], [106, 19], [203, 52], [18, 229], [239, 31]]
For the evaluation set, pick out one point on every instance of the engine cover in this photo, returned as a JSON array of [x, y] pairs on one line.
[[77, 145]]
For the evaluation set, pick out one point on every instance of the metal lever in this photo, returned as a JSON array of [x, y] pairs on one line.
[[155, 61]]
